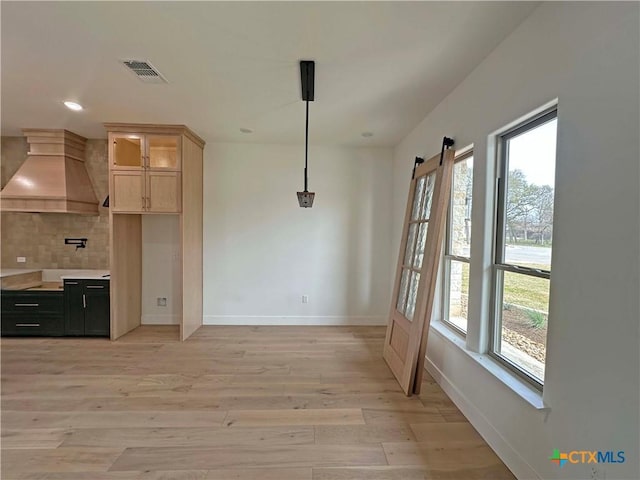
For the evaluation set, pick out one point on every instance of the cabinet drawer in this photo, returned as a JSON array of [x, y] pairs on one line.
[[26, 302], [93, 285], [97, 285], [32, 325]]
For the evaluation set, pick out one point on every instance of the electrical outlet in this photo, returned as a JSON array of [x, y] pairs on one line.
[[305, 298], [21, 259], [162, 301]]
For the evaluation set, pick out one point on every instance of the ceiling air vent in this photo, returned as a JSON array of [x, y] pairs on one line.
[[144, 71]]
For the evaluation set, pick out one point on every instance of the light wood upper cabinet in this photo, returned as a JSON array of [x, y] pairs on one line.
[[145, 191], [163, 192], [127, 151], [146, 152], [127, 191], [163, 152], [145, 171]]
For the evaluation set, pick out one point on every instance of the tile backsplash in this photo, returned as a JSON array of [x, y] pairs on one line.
[[40, 236]]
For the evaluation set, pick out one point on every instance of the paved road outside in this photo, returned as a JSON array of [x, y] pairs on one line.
[[523, 254], [526, 254]]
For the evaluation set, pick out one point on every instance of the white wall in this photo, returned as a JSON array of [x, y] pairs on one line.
[[161, 269], [262, 252], [586, 55]]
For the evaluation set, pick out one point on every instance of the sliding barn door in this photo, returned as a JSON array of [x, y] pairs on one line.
[[416, 273]]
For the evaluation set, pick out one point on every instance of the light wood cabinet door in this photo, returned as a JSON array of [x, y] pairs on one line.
[[139, 151], [127, 151], [163, 192], [127, 191], [163, 152]]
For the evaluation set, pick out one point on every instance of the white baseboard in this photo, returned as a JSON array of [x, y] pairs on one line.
[[511, 458], [290, 320], [165, 319]]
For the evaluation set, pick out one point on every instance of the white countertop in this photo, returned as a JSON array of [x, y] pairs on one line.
[[83, 275], [56, 275]]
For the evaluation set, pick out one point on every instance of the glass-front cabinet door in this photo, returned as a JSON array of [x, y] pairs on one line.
[[163, 152], [146, 152], [127, 150]]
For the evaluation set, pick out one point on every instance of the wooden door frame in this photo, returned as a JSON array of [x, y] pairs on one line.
[[433, 250]]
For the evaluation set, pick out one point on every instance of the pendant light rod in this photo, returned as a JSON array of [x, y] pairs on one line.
[[306, 148], [307, 73]]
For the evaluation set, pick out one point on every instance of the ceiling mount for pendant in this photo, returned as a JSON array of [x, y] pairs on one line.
[[307, 73]]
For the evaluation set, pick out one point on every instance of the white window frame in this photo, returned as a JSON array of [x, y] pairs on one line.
[[448, 257], [499, 266]]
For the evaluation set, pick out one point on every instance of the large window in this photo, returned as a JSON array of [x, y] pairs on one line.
[[455, 286], [523, 242]]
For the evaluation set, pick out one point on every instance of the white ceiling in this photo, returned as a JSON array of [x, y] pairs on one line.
[[380, 66]]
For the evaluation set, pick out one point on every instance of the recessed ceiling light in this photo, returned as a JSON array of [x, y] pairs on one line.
[[367, 134], [246, 130], [73, 106]]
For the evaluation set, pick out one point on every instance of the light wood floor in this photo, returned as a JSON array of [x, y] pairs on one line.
[[264, 403]]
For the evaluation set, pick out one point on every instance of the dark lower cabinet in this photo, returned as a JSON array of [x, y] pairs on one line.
[[82, 310], [73, 308], [28, 313], [86, 308]]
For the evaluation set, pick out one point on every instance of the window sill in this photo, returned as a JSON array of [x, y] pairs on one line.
[[521, 388]]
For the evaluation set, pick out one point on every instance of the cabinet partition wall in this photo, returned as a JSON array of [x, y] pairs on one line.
[[153, 169]]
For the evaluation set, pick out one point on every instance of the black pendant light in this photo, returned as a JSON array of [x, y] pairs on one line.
[[307, 70]]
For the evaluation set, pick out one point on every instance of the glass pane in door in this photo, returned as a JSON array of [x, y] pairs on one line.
[[413, 295], [417, 199], [402, 291], [411, 243], [422, 241], [163, 152], [431, 181], [127, 151]]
